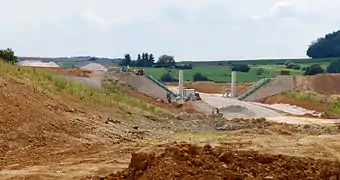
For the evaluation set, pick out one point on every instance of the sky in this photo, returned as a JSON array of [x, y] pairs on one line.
[[186, 29]]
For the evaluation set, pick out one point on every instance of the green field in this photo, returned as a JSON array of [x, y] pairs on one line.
[[219, 74], [219, 71], [303, 62], [66, 64]]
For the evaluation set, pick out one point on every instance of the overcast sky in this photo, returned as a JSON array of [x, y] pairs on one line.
[[186, 29]]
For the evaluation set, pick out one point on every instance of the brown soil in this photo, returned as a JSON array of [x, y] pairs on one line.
[[264, 127], [37, 129], [30, 121], [216, 88], [67, 71], [185, 161], [304, 104], [53, 137], [325, 84]]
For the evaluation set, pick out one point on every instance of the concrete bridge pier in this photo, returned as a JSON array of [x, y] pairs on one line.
[[233, 84]]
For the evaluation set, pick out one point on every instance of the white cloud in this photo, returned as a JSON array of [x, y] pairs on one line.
[[284, 9], [191, 29]]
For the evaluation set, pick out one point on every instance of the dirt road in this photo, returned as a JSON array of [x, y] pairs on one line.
[[232, 108]]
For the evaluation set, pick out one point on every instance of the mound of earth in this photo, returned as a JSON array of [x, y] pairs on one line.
[[262, 126], [185, 161], [325, 84]]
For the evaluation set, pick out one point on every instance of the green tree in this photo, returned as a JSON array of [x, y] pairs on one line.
[[200, 77], [291, 65], [8, 56], [334, 67], [259, 71], [314, 69], [166, 61], [240, 68], [167, 77], [139, 61], [151, 60], [126, 61], [325, 47]]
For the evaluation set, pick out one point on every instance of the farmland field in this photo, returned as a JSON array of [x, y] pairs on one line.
[[218, 73], [302, 62]]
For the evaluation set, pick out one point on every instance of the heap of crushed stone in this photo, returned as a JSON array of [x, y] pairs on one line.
[[189, 162]]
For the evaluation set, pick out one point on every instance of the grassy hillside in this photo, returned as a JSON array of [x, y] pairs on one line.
[[49, 84]]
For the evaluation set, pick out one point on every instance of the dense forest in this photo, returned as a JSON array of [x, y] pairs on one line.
[[325, 47]]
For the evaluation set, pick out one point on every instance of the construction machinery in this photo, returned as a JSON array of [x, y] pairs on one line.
[[190, 94], [139, 72], [285, 72], [123, 69]]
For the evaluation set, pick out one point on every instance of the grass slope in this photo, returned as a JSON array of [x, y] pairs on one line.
[[48, 83], [317, 100]]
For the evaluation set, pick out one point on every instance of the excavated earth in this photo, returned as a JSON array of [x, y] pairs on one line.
[[186, 161], [325, 84], [54, 137]]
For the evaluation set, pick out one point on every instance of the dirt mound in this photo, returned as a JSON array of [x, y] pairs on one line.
[[262, 126], [185, 161], [326, 84]]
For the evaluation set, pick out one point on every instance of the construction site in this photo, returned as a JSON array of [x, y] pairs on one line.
[[125, 124]]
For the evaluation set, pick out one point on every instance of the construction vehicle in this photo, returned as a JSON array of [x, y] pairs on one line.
[[123, 69], [139, 72], [191, 94]]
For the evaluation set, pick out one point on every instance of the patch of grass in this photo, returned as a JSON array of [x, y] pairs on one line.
[[317, 99], [66, 64], [48, 83]]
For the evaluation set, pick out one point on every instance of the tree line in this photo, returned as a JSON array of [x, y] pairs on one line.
[[148, 60], [324, 47]]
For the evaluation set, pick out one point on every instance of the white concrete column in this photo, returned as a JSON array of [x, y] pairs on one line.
[[233, 84], [180, 83]]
